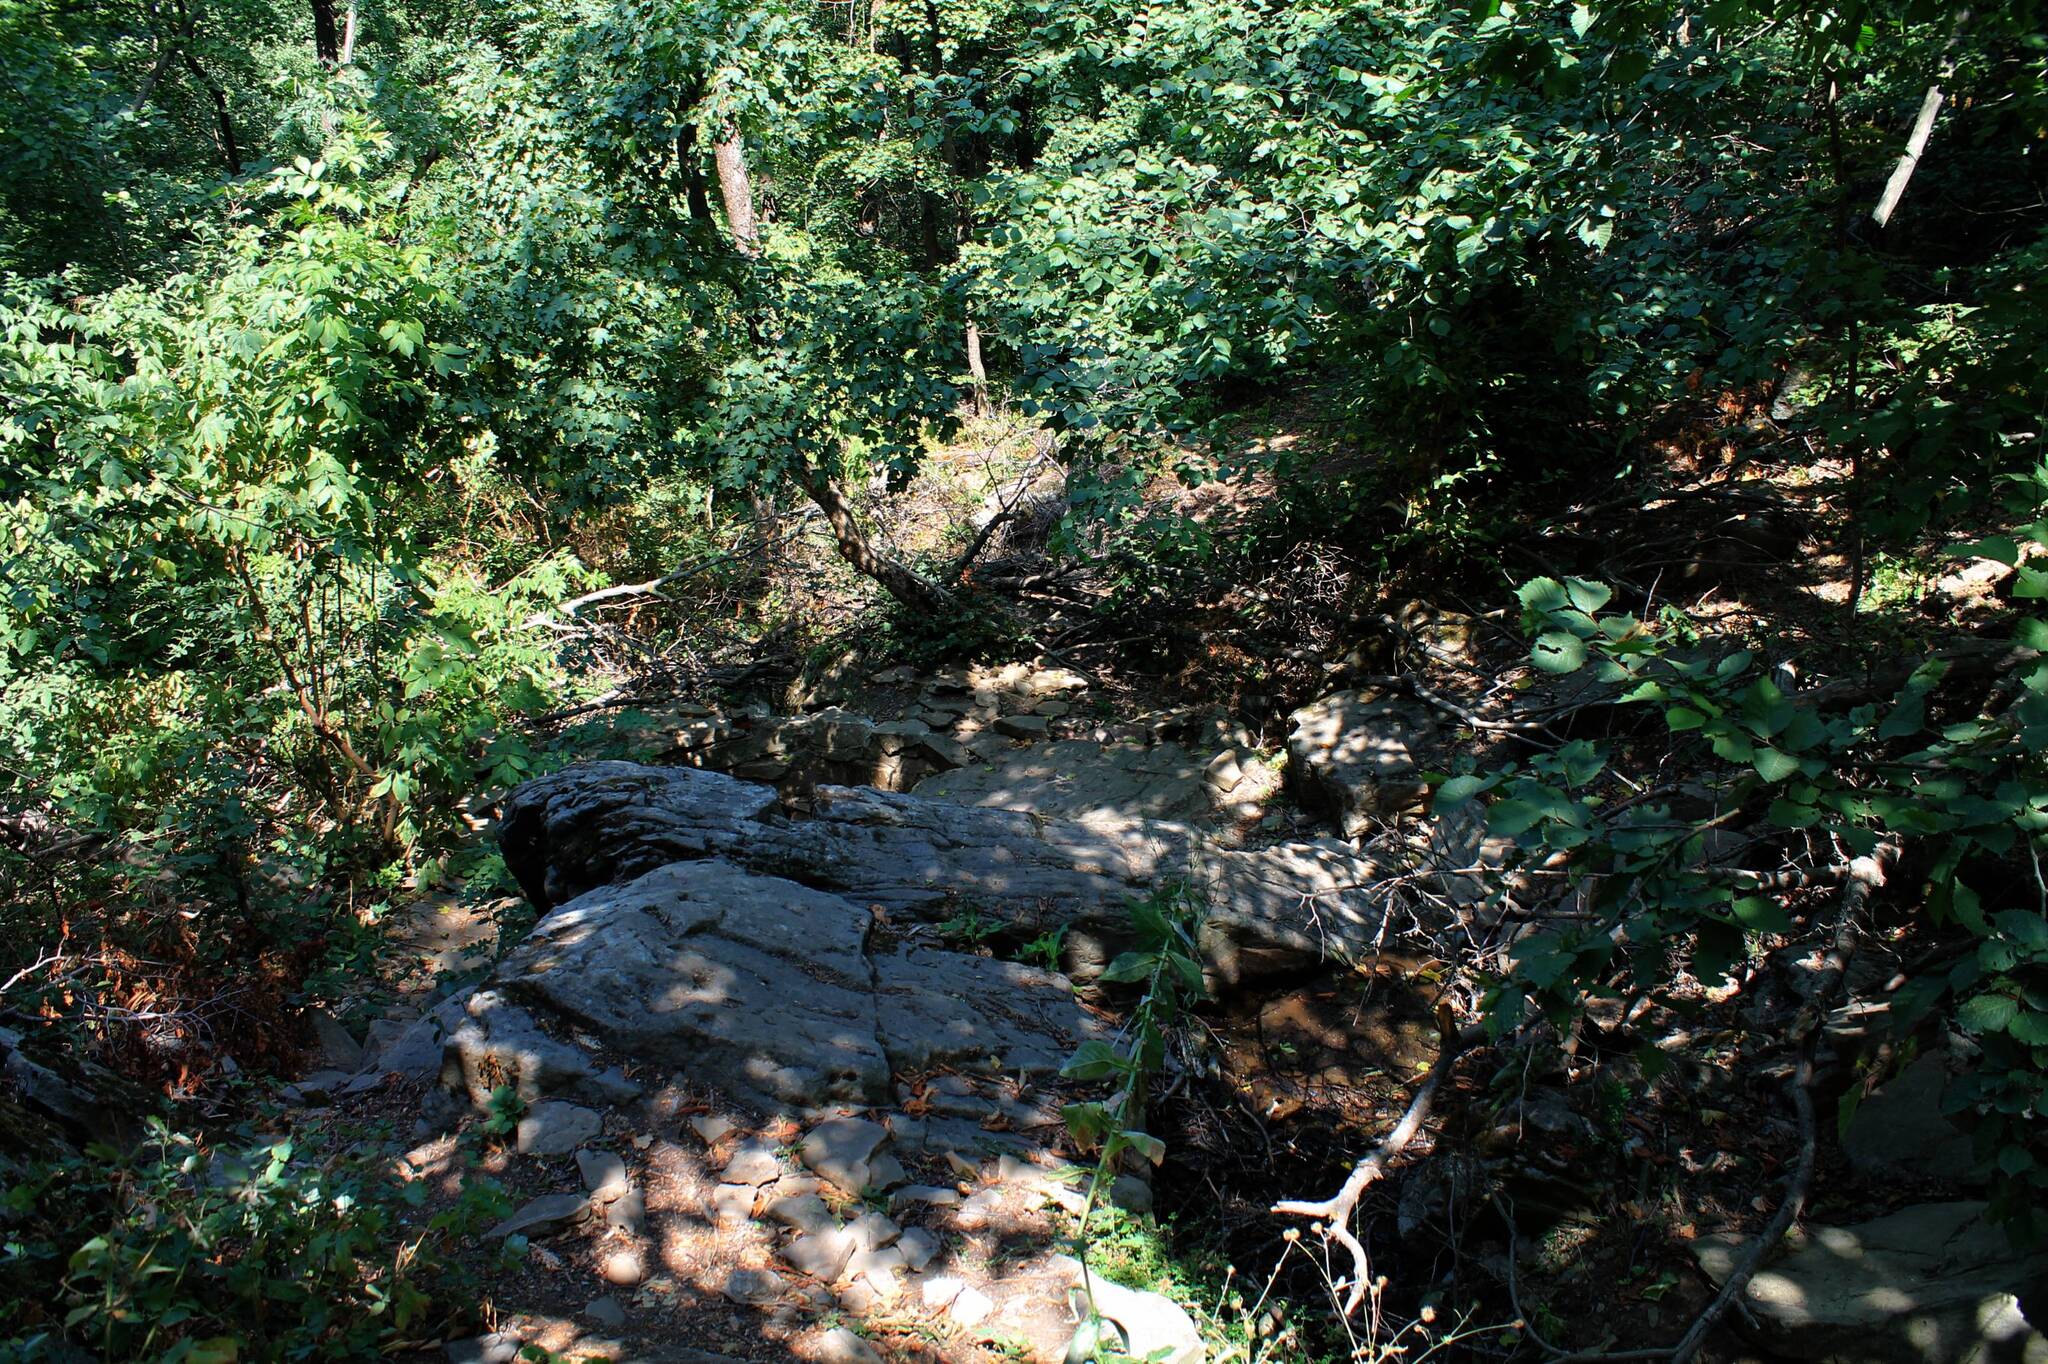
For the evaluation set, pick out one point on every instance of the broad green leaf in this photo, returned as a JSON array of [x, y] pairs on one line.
[[1558, 652]]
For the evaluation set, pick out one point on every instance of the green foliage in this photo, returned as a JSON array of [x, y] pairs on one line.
[[1167, 963], [260, 1249], [1963, 788]]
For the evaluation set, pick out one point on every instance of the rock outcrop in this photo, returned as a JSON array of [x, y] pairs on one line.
[[916, 859], [752, 985], [1930, 1284], [1359, 754]]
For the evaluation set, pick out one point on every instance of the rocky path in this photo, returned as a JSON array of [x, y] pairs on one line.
[[780, 1096]]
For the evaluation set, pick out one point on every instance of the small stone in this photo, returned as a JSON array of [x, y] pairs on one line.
[[805, 1212], [1131, 1193], [604, 1174], [626, 1212], [642, 1140], [976, 1212], [918, 1246], [886, 1172], [547, 1213], [1011, 1170], [623, 1267], [878, 1268], [1053, 710], [339, 1050], [821, 1254], [840, 1149], [858, 1298], [841, 1346], [753, 1163], [732, 1205], [1224, 772], [927, 1195], [606, 1312], [500, 1347], [940, 1292], [712, 1128], [555, 1128], [872, 1231], [1022, 726], [754, 1287], [970, 1307]]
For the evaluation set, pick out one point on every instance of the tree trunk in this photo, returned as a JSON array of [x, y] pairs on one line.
[[230, 149], [976, 370], [326, 34], [737, 189], [348, 38], [898, 579]]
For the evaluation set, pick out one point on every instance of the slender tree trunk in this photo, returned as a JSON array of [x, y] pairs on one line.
[[230, 148], [166, 54], [326, 34], [898, 579], [737, 189], [976, 369], [348, 38]]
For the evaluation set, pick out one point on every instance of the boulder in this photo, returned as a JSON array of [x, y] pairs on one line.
[[1934, 1283], [1902, 1127], [1156, 1327], [1359, 754], [754, 986]]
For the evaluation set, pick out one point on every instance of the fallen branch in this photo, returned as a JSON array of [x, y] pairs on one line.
[[1335, 1212]]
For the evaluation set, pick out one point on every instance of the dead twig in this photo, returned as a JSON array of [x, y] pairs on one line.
[[1335, 1212]]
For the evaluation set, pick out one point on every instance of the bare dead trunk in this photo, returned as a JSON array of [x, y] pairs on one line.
[[1909, 161], [348, 38], [898, 579], [737, 189], [975, 369]]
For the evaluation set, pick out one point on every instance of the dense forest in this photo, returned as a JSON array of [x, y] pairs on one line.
[[1630, 411]]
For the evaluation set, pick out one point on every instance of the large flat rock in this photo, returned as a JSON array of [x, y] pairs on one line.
[[752, 985], [922, 859], [1930, 1284], [1081, 779]]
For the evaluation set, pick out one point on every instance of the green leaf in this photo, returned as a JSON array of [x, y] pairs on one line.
[[1146, 1145], [1989, 1012], [1093, 1061], [1761, 914], [1682, 718], [1555, 651], [1458, 790], [1772, 765], [1720, 947], [1130, 966]]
